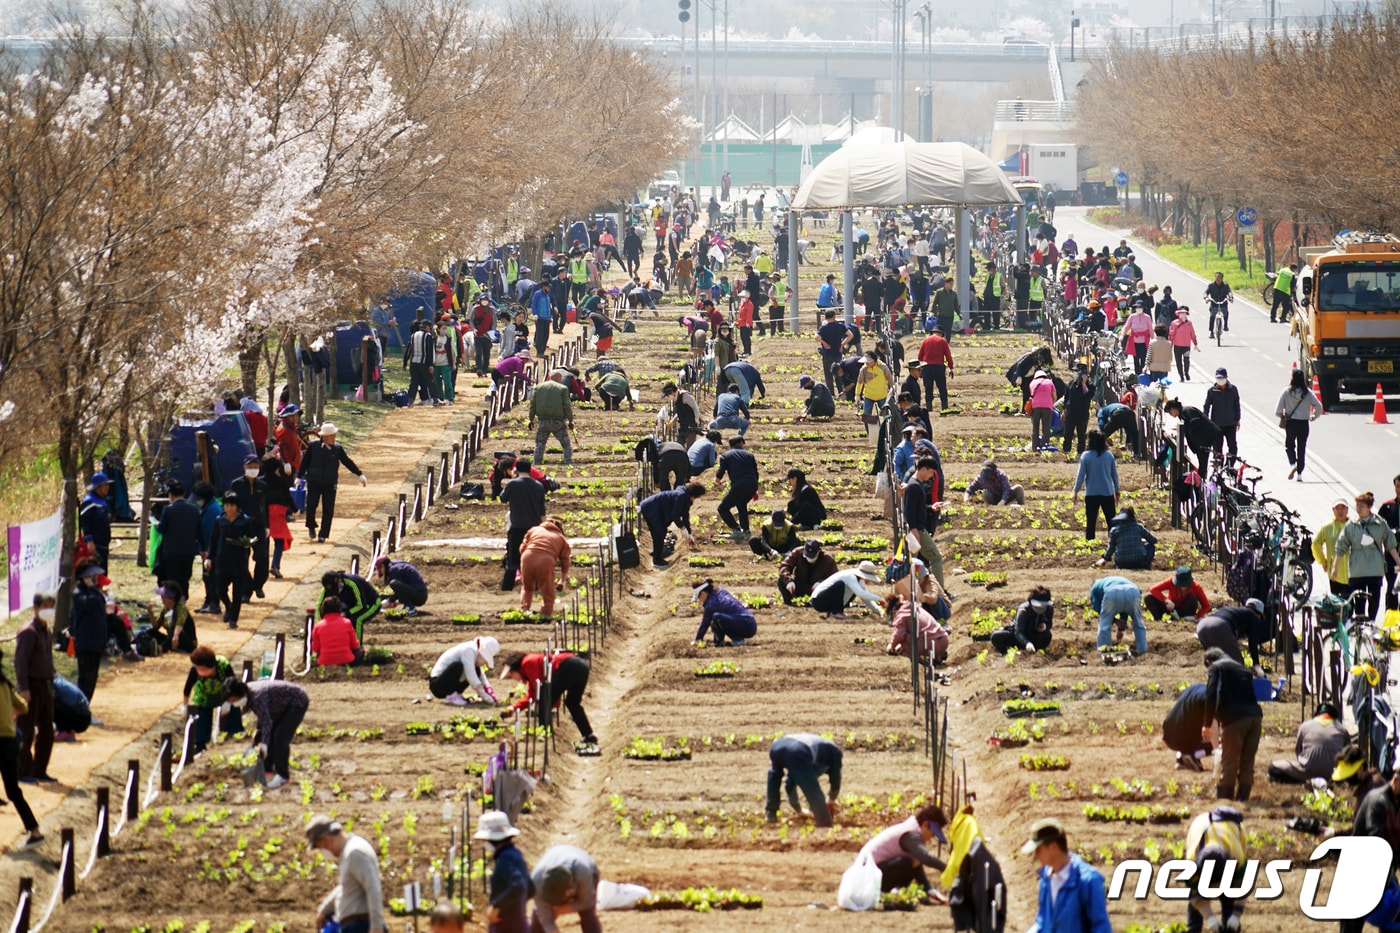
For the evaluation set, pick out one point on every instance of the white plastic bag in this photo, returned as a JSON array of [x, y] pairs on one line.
[[860, 885], [613, 896]]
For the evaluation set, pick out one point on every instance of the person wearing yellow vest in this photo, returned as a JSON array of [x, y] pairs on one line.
[[1037, 292], [578, 276], [873, 383], [990, 315], [777, 294], [512, 272], [1283, 294]]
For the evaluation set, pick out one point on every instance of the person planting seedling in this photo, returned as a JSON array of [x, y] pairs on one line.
[[804, 757], [567, 682]]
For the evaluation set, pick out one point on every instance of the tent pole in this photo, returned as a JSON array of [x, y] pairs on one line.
[[962, 234], [794, 315], [848, 266]]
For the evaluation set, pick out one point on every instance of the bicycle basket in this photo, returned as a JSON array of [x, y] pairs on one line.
[[1327, 612]]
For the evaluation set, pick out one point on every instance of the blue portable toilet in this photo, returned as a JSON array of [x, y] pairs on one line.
[[417, 291], [578, 231], [349, 336], [228, 433]]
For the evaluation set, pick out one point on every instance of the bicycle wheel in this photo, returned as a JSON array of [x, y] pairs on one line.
[[1219, 328], [1298, 579]]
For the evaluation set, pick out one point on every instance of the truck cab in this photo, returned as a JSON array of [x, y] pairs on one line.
[[1349, 327]]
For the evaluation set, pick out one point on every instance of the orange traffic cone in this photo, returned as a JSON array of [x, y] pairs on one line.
[[1378, 414], [1317, 390]]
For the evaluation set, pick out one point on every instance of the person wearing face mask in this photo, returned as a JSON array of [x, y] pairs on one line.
[[280, 506], [460, 667], [510, 877], [1030, 630], [234, 535], [34, 679], [87, 626], [1222, 407], [1364, 543], [252, 494], [280, 707], [802, 569]]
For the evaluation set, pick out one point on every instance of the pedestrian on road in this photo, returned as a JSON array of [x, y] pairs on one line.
[[1390, 512], [1182, 335], [418, 360], [1297, 409], [1137, 334], [1365, 542], [95, 518], [1285, 288], [356, 903], [722, 613], [1230, 701], [320, 467], [804, 757], [229, 551], [1071, 894], [34, 672], [180, 540], [1098, 477], [1222, 407], [1324, 549], [252, 491], [280, 707], [1159, 355]]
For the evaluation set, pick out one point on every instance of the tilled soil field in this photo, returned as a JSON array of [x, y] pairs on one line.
[[216, 851]]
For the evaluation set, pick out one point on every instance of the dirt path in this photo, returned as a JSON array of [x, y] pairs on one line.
[[132, 698]]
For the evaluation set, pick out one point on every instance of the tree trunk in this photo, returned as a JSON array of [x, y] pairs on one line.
[[1179, 213], [289, 358], [270, 357], [68, 461], [248, 362], [1219, 208], [1269, 227]]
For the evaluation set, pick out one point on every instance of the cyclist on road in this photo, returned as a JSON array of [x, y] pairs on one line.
[[1219, 295]]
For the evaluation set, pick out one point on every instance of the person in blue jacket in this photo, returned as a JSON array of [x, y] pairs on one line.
[[804, 757], [95, 518], [723, 613], [746, 377], [87, 625], [1072, 896], [209, 512], [1112, 597], [662, 510], [542, 311], [409, 588], [510, 878]]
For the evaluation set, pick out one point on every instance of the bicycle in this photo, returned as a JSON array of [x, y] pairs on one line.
[[1218, 321], [1373, 646]]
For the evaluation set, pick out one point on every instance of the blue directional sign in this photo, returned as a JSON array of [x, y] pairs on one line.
[[1120, 179], [1247, 216]]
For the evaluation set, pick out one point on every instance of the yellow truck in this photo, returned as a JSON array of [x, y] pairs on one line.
[[1349, 325]]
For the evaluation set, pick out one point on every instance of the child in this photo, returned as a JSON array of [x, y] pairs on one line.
[[510, 879]]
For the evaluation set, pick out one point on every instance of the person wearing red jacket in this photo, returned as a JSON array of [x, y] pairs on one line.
[[288, 440], [744, 321], [482, 320], [568, 680], [1178, 594], [937, 359], [333, 640]]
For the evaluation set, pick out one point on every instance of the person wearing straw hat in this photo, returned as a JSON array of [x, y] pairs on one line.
[[356, 903], [320, 467], [566, 881], [1071, 895], [510, 876], [833, 594], [460, 667]]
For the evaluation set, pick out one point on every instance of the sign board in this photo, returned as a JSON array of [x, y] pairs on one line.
[[1247, 216], [1120, 179], [34, 558]]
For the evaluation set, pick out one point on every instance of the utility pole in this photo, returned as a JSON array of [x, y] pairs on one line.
[[727, 111]]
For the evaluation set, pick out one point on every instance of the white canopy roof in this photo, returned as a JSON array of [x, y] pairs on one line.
[[734, 130], [891, 174]]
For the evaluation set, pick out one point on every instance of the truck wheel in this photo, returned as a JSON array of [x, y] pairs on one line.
[[1331, 397]]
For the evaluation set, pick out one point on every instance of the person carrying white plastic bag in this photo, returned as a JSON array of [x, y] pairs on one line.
[[860, 885]]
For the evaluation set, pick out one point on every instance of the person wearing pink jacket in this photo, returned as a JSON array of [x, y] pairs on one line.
[[1183, 337], [1137, 334]]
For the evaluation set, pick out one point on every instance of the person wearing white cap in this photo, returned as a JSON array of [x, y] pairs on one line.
[[357, 901], [320, 467], [461, 666], [510, 878], [839, 590]]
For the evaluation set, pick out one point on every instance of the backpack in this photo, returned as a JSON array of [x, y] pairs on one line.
[[1239, 579]]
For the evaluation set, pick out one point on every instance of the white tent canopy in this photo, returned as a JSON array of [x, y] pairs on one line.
[[895, 174], [733, 130]]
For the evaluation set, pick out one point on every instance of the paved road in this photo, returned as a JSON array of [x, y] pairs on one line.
[[1345, 452]]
